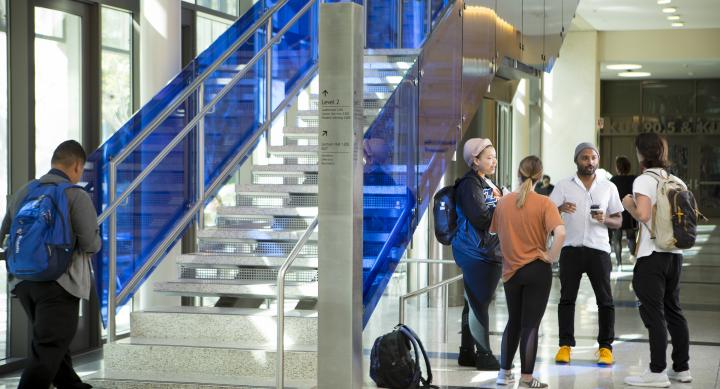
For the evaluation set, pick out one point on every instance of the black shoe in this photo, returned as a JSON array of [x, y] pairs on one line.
[[486, 361], [466, 357]]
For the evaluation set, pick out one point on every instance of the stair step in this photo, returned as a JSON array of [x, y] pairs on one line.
[[274, 189], [220, 261], [220, 358], [306, 212], [293, 150], [237, 288], [300, 132], [277, 168], [233, 234], [255, 326], [121, 379]]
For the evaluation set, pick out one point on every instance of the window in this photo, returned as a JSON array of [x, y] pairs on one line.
[[3, 167], [230, 7], [116, 70], [58, 82], [209, 28]]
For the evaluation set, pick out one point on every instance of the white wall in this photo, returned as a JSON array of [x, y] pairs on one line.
[[571, 103], [659, 46], [160, 31], [520, 127]]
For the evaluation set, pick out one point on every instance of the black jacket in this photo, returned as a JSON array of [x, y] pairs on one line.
[[474, 218]]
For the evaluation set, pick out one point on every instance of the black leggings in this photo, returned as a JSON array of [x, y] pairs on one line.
[[527, 295]]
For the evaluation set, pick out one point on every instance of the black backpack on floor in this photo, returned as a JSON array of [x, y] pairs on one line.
[[392, 364]]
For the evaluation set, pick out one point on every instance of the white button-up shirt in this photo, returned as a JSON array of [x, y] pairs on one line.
[[581, 228]]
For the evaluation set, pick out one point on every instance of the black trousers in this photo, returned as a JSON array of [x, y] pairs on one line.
[[480, 279], [53, 313], [616, 242], [656, 281], [527, 295], [574, 261]]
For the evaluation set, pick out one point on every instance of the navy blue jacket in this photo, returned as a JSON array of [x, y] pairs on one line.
[[475, 208]]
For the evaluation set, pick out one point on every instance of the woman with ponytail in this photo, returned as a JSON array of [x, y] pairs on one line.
[[523, 221]]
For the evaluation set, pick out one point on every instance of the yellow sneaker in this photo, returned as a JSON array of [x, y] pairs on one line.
[[605, 356], [563, 355]]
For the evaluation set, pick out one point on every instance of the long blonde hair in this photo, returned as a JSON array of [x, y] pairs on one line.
[[530, 172]]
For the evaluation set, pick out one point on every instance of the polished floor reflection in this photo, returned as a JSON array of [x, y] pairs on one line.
[[700, 297]]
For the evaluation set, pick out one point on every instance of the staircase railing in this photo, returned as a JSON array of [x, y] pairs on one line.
[[280, 300], [203, 126]]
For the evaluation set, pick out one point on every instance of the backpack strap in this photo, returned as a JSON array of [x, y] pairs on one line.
[[417, 344]]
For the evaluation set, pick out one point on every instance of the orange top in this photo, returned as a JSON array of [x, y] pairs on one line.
[[523, 232]]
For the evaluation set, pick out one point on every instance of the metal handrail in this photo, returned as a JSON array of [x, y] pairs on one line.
[[280, 300], [117, 160], [444, 285], [192, 87], [111, 210]]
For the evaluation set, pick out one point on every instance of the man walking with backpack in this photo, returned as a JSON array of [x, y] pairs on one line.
[[589, 204], [656, 276], [51, 230]]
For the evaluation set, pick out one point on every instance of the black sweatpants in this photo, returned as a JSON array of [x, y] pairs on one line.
[[527, 295], [656, 281], [574, 261], [53, 313]]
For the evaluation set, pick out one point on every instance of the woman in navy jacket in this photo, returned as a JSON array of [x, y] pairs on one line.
[[476, 251]]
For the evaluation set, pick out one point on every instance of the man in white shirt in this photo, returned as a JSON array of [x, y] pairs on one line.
[[589, 204]]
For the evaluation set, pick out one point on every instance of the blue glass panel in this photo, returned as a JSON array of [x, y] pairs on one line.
[[297, 50], [390, 147], [155, 207], [415, 23], [382, 30], [406, 149]]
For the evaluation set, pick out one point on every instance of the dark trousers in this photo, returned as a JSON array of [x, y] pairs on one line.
[[656, 281], [53, 313], [527, 295], [480, 279], [616, 242], [574, 261]]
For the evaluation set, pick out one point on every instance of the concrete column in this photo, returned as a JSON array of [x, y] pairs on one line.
[[160, 61], [340, 306], [571, 102]]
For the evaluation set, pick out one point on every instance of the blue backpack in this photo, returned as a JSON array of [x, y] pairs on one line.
[[40, 243]]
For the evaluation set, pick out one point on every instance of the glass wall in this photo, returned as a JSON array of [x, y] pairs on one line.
[[230, 7], [4, 179], [58, 82], [116, 69], [209, 28]]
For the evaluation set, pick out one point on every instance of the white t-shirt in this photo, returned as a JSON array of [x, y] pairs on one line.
[[646, 184], [582, 229]]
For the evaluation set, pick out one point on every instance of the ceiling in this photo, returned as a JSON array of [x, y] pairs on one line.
[[669, 70], [627, 15]]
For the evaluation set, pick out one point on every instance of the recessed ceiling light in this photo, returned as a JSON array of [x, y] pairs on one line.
[[634, 74], [674, 17], [663, 1], [669, 10], [623, 66], [678, 24]]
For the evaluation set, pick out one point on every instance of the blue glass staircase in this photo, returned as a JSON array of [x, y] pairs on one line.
[[153, 177]]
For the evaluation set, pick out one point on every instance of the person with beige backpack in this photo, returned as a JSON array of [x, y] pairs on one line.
[[668, 215]]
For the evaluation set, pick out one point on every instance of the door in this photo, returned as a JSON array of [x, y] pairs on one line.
[[707, 184], [60, 75], [504, 145]]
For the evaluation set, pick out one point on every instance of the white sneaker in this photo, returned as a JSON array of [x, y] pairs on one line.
[[505, 377], [649, 379], [680, 376]]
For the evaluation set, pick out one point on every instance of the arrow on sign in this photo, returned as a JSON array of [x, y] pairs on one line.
[[324, 133], [325, 92]]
